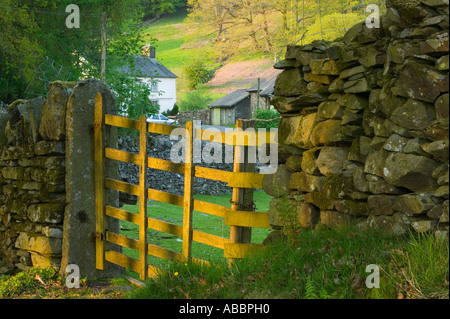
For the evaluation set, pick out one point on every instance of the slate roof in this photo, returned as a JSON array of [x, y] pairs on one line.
[[270, 87], [231, 99], [148, 67]]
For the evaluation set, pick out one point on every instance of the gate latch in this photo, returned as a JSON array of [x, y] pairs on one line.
[[99, 236]]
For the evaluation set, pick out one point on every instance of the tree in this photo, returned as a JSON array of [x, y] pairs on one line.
[[332, 26], [211, 13], [155, 8], [32, 30], [235, 21], [196, 73], [19, 52], [270, 25], [132, 95]]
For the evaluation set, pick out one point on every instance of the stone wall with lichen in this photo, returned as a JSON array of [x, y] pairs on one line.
[[32, 180], [47, 206], [364, 129]]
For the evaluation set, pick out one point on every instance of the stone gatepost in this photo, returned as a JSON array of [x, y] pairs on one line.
[[78, 245]]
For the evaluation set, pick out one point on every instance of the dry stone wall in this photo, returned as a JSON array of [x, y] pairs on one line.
[[200, 115], [41, 141], [32, 183], [364, 128]]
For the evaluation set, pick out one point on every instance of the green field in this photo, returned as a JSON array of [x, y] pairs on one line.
[[203, 222]]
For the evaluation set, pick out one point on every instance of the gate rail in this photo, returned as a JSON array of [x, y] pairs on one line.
[[239, 217]]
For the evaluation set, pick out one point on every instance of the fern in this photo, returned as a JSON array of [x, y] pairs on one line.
[[310, 289], [323, 294], [376, 294]]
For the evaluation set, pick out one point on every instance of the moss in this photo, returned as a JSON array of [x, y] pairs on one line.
[[337, 186], [353, 207], [29, 185], [354, 152], [68, 85], [54, 176], [405, 4], [16, 103], [320, 200]]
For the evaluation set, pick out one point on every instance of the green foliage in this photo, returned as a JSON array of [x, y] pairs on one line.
[[174, 111], [325, 28], [241, 26], [195, 100], [26, 280], [19, 51], [155, 8], [39, 32], [311, 292], [267, 114], [288, 216], [132, 96], [196, 73], [176, 49]]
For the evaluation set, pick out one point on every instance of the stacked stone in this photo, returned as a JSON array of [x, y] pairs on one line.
[[364, 128], [32, 180]]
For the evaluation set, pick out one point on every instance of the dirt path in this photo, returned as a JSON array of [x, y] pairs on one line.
[[241, 75]]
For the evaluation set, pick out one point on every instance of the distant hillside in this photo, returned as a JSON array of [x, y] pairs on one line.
[[178, 45]]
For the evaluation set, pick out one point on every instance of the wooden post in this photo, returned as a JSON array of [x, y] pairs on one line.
[[188, 195], [99, 182], [242, 198], [103, 39], [143, 195], [258, 93]]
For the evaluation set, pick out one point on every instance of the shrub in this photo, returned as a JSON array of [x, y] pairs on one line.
[[272, 115], [174, 111], [195, 100], [196, 73]]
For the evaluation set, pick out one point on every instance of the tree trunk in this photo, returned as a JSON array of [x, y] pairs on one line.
[[266, 34]]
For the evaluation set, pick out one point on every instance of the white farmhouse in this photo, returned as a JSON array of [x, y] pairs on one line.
[[161, 80]]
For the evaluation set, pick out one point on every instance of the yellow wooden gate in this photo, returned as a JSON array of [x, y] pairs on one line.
[[240, 216]]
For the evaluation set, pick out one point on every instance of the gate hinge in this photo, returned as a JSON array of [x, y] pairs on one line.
[[93, 127]]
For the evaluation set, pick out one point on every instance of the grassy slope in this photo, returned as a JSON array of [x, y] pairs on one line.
[[321, 265], [178, 44]]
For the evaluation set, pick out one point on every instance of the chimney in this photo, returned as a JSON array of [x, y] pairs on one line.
[[152, 52], [146, 50]]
